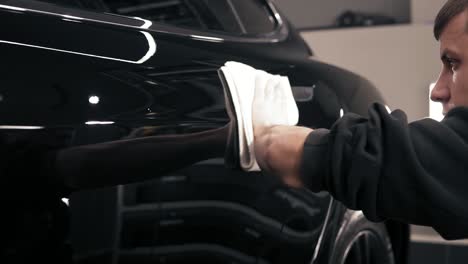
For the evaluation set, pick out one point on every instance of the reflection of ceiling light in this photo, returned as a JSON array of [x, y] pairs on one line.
[[71, 17], [12, 8], [151, 47], [93, 99], [211, 39], [149, 54], [151, 82], [65, 200], [100, 122], [146, 23], [22, 127], [341, 112]]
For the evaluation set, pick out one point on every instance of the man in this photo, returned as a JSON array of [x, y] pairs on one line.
[[416, 173]]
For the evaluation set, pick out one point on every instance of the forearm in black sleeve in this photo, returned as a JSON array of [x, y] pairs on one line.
[[133, 160], [415, 173]]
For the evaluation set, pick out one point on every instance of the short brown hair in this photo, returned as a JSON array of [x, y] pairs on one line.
[[451, 9]]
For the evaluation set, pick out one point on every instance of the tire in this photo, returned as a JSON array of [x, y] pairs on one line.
[[361, 241]]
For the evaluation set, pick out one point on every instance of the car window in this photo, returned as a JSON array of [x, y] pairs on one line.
[[255, 15], [229, 16]]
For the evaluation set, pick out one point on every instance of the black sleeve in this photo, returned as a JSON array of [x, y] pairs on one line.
[[135, 159], [389, 169]]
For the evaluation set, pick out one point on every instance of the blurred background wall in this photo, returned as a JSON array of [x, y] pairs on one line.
[[316, 14]]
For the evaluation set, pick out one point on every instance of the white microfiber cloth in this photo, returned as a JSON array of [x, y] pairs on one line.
[[258, 98]]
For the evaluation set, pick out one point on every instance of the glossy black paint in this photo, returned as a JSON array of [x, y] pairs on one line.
[[160, 77]]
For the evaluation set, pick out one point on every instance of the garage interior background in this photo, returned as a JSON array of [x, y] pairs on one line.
[[400, 59]]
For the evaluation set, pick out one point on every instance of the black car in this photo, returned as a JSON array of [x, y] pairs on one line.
[[92, 71]]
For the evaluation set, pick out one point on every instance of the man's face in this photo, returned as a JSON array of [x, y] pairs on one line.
[[451, 88]]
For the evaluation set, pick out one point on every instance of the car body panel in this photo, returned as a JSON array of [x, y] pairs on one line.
[[101, 77]]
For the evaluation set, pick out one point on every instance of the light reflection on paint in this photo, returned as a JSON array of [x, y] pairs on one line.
[[61, 15], [147, 23], [205, 38], [22, 127], [93, 99], [72, 17], [149, 38], [91, 123], [151, 49], [68, 51], [13, 8]]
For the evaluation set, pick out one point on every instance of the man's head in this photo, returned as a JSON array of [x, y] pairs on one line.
[[451, 9], [451, 29]]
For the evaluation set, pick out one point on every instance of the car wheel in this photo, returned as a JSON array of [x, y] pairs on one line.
[[361, 241]]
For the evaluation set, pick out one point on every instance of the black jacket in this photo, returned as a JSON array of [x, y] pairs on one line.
[[416, 173]]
